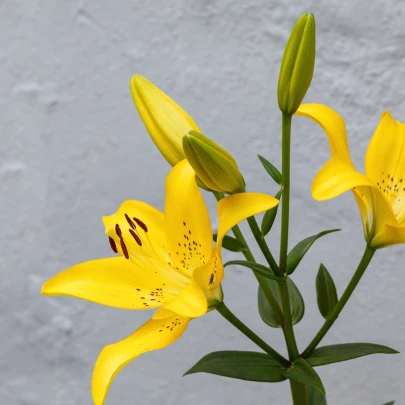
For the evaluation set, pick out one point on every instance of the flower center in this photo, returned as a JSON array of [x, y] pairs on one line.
[[140, 238], [394, 189]]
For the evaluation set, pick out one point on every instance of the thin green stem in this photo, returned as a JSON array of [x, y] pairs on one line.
[[260, 279], [239, 236], [263, 245], [299, 393], [288, 326], [285, 199], [230, 317], [237, 232], [330, 320], [285, 215]]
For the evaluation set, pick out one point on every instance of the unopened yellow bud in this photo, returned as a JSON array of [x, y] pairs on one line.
[[165, 120], [297, 66], [214, 166]]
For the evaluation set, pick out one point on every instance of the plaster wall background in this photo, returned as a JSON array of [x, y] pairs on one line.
[[73, 148]]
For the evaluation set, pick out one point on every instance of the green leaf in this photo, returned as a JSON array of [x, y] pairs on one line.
[[298, 251], [302, 372], [270, 216], [390, 403], [249, 366], [347, 351], [325, 291], [230, 243], [268, 315], [257, 268], [315, 397], [272, 170]]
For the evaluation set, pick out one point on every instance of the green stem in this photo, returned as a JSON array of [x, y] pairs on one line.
[[330, 320], [239, 236], [288, 326], [260, 279], [285, 215], [285, 199], [230, 317], [263, 245], [299, 393], [237, 232]]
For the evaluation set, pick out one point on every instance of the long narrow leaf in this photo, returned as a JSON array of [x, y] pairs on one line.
[[271, 169], [298, 251], [347, 351], [257, 268], [249, 366], [231, 244], [302, 372], [267, 313], [325, 291], [270, 216], [315, 397]]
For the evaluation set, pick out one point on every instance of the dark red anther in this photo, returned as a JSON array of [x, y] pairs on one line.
[[124, 249], [141, 224], [129, 220], [118, 231], [136, 237], [112, 244], [211, 278]]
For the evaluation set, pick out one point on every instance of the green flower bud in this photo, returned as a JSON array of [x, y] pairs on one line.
[[297, 66], [214, 166]]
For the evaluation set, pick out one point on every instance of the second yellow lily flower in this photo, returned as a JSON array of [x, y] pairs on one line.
[[380, 193]]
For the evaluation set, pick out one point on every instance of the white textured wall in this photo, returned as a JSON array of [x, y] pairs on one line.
[[72, 148]]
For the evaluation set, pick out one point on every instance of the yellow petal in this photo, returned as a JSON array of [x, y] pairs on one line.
[[210, 274], [237, 207], [153, 335], [336, 177], [389, 235], [162, 313], [115, 282], [379, 222], [385, 162], [165, 120], [187, 223], [138, 228], [364, 200], [334, 126], [190, 302]]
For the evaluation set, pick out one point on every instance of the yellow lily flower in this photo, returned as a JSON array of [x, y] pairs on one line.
[[165, 261], [380, 193], [165, 120]]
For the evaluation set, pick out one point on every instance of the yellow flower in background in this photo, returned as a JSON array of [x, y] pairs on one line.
[[165, 261], [165, 120], [380, 193]]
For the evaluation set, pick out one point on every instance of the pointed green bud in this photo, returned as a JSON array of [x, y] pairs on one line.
[[214, 166], [297, 66]]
